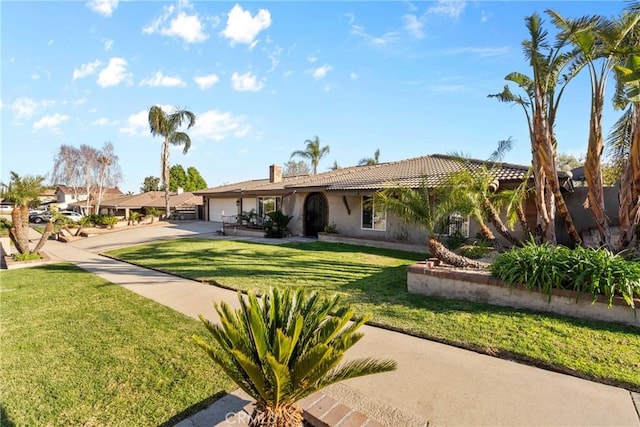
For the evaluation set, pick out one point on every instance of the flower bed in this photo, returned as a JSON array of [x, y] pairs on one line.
[[479, 286]]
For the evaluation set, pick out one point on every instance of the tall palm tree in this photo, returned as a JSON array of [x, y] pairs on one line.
[[543, 92], [313, 152], [368, 161], [629, 197], [598, 42], [416, 206], [22, 191], [284, 348], [166, 126]]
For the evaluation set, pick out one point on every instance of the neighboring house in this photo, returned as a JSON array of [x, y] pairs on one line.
[[183, 205], [68, 197], [344, 198]]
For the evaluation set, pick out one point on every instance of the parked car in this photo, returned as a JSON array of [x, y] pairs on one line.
[[38, 218], [73, 216]]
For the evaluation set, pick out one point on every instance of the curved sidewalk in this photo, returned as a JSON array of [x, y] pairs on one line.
[[434, 382]]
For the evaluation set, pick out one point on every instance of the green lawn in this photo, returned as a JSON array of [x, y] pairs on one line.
[[77, 350], [374, 280]]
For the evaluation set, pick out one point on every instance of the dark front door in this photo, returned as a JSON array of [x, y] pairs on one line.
[[315, 214]]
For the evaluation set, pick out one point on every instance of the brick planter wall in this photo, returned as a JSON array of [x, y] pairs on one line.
[[479, 286]]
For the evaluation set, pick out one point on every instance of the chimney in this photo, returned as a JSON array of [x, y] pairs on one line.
[[275, 173], [179, 190]]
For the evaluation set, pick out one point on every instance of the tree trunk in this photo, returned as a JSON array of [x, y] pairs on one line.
[[522, 218], [165, 176], [593, 170], [48, 230], [19, 233], [496, 221], [486, 231], [629, 196], [439, 251]]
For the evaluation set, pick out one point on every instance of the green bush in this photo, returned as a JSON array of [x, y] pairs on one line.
[[26, 257], [455, 240], [476, 250], [584, 270], [109, 221]]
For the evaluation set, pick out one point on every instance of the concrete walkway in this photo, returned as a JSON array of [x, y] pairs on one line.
[[437, 383]]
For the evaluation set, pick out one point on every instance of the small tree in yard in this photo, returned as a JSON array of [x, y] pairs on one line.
[[23, 190], [285, 348]]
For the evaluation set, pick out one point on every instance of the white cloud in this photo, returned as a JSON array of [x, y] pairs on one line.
[[102, 121], [103, 7], [217, 125], [449, 8], [50, 42], [174, 21], [137, 124], [274, 56], [320, 72], [108, 43], [205, 82], [86, 69], [50, 122], [484, 16], [387, 38], [312, 58], [414, 26], [24, 108], [243, 28], [246, 82], [354, 76], [35, 76], [159, 79], [114, 73]]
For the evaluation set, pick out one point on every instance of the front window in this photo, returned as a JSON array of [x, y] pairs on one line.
[[456, 223], [372, 217], [268, 204]]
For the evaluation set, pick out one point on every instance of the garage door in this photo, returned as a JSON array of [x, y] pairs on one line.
[[217, 206]]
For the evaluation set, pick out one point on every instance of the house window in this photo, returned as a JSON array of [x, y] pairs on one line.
[[372, 218], [268, 204], [458, 223]]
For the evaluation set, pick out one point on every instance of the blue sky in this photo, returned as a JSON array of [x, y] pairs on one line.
[[408, 78]]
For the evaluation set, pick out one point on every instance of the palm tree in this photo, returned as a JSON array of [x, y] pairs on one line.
[[334, 166], [368, 161], [22, 191], [473, 189], [416, 206], [629, 198], [598, 42], [540, 104], [166, 126], [313, 152], [285, 348]]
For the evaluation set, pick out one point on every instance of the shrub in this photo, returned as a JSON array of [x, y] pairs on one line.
[[584, 270], [455, 240], [277, 226], [284, 348], [135, 217], [30, 256], [109, 221], [476, 250], [331, 228]]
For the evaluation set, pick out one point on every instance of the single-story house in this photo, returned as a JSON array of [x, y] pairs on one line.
[[343, 198], [68, 197], [183, 205]]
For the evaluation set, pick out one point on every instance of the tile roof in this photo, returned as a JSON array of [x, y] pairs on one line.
[[83, 190], [432, 169], [150, 199]]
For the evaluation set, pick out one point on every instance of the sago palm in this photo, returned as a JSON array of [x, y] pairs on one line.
[[313, 152], [284, 348], [166, 126]]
